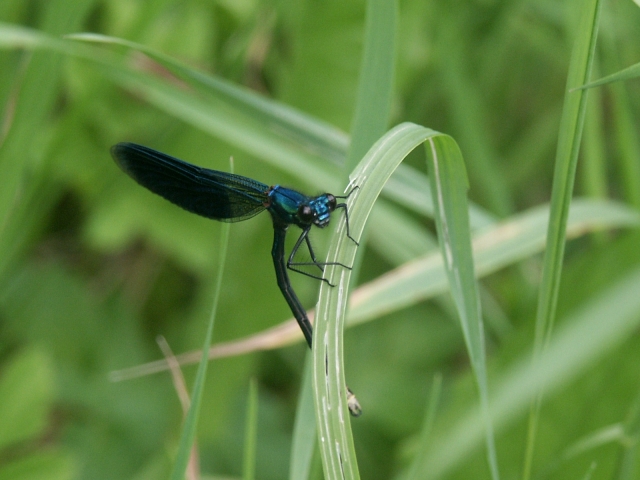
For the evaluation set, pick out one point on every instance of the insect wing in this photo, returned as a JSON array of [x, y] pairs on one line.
[[210, 193]]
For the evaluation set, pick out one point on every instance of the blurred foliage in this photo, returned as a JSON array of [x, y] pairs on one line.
[[94, 268]]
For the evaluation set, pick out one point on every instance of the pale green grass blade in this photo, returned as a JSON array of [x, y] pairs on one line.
[[303, 444], [219, 119], [188, 434], [564, 176], [276, 118], [606, 435], [309, 132], [230, 110], [425, 433], [580, 342], [449, 190], [496, 247], [373, 101], [232, 114], [336, 445], [219, 116], [375, 169], [18, 37], [251, 433], [594, 178]]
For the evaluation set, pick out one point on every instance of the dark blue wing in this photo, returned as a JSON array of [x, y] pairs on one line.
[[210, 193]]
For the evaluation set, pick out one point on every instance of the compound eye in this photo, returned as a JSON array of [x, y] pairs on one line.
[[332, 202], [305, 213]]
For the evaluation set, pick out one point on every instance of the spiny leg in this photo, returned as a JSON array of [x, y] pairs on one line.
[[312, 253], [291, 264], [346, 212]]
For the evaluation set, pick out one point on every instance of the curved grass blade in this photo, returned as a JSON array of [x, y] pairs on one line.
[[408, 186], [242, 118], [494, 248], [220, 115], [319, 137], [449, 195], [449, 190], [314, 139]]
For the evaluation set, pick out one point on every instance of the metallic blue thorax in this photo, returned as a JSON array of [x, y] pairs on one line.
[[286, 205]]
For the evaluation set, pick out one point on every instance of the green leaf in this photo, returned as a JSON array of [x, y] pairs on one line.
[[48, 465], [26, 395]]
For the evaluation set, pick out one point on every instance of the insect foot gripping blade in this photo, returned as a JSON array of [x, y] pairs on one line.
[[353, 404]]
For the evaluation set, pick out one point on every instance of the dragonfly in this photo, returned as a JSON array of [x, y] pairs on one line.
[[228, 197]]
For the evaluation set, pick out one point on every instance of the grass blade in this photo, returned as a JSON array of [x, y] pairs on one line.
[[627, 74], [317, 136], [581, 341], [569, 139], [494, 248], [191, 421], [251, 433], [303, 444], [449, 189], [427, 426], [373, 103]]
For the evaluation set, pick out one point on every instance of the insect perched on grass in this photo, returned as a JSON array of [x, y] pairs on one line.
[[232, 198]]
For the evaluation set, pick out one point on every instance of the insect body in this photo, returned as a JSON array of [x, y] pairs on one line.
[[232, 198]]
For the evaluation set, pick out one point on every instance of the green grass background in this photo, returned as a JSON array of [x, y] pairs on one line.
[[93, 268]]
